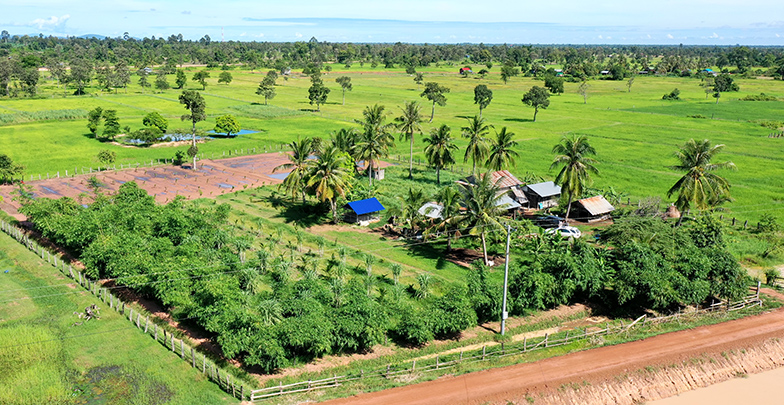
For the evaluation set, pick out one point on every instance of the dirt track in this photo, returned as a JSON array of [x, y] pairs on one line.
[[594, 366]]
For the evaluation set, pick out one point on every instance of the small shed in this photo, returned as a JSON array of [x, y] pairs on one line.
[[542, 195], [465, 70], [507, 183], [604, 72], [431, 210], [363, 210], [593, 209]]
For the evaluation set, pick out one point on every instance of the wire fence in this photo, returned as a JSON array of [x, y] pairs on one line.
[[487, 353], [140, 320]]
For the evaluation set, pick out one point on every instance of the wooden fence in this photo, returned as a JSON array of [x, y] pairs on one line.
[[77, 171], [140, 320], [498, 351]]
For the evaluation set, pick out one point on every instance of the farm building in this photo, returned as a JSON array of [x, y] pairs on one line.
[[542, 195], [465, 70], [507, 183], [363, 211], [431, 210], [592, 209]]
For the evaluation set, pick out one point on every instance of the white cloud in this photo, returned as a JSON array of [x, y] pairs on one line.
[[243, 34], [259, 35], [670, 36], [778, 36], [298, 35], [649, 36], [715, 35], [52, 23], [601, 37]]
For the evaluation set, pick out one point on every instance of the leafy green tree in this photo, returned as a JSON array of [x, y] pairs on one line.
[[143, 81], [81, 74], [482, 96], [700, 187], [629, 85], [572, 154], [227, 124], [436, 94], [554, 83], [121, 76], [271, 77], [477, 148], [111, 124], [155, 119], [419, 78], [375, 140], [722, 84], [180, 79], [502, 153], [318, 92], [345, 84], [407, 213], [267, 90], [481, 209], [538, 98], [508, 71], [8, 169], [94, 119], [106, 157], [201, 77], [452, 313], [160, 81], [225, 77], [329, 178], [449, 222], [409, 123], [674, 95], [197, 107], [413, 329], [297, 179]]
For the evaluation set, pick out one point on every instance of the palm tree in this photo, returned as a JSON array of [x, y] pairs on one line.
[[396, 270], [298, 164], [449, 222], [699, 187], [408, 213], [477, 148], [501, 153], [481, 208], [572, 153], [408, 124], [439, 149], [328, 177], [375, 140], [344, 139]]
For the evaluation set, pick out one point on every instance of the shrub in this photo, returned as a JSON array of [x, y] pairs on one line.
[[674, 95], [759, 97]]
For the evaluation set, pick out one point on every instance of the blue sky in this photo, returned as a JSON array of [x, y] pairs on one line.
[[703, 22]]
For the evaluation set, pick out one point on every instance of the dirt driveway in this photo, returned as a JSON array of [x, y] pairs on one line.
[[594, 366]]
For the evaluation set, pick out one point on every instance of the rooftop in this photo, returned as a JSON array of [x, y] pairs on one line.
[[546, 189], [366, 206]]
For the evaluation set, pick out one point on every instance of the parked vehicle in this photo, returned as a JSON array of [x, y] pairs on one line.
[[566, 231], [549, 221]]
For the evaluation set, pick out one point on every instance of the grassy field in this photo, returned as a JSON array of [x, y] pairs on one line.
[[635, 133], [46, 357]]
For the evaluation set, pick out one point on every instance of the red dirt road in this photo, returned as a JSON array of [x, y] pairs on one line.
[[507, 383]]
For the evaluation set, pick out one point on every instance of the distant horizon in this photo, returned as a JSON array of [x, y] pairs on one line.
[[612, 22]]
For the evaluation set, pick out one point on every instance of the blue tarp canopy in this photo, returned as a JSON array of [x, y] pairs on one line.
[[366, 206]]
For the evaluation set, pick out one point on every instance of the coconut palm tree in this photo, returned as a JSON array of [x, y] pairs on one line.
[[501, 154], [440, 145], [481, 208], [407, 213], [298, 164], [375, 140], [575, 175], [477, 148], [700, 187], [408, 123], [328, 177], [344, 139]]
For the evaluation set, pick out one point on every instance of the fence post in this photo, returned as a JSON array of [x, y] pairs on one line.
[[546, 336], [484, 348], [436, 365], [759, 284], [156, 332], [172, 342], [182, 348], [146, 323], [193, 358], [203, 364], [525, 342]]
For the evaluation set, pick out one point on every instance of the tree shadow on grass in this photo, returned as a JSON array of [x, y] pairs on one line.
[[518, 120], [306, 215]]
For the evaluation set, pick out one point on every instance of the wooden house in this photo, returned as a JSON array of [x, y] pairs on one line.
[[542, 195], [592, 209], [366, 210]]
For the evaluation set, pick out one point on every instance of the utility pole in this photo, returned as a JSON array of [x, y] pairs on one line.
[[504, 314]]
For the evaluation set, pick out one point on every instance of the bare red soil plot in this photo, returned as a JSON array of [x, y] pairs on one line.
[[593, 366]]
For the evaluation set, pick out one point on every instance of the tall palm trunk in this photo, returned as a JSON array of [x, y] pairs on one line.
[[438, 176], [193, 144], [433, 112], [568, 207], [370, 170], [484, 248], [680, 219], [411, 157], [480, 113]]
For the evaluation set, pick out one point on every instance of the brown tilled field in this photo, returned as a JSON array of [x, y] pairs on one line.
[[212, 178]]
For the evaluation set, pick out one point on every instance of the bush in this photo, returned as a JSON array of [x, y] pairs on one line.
[[759, 97], [674, 95]]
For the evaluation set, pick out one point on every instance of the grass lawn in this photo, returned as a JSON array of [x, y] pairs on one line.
[[46, 357]]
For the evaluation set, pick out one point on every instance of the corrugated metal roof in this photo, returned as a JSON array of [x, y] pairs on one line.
[[507, 203], [503, 178], [519, 195], [366, 206], [596, 205], [546, 189], [431, 210]]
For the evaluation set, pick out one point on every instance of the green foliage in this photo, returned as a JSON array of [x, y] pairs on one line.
[[94, 119], [318, 92], [155, 119], [538, 98], [554, 84], [202, 77], [9, 169], [759, 97], [225, 77], [412, 329], [107, 157], [180, 79], [227, 124], [111, 124], [439, 149], [508, 71], [435, 93], [674, 95], [482, 96]]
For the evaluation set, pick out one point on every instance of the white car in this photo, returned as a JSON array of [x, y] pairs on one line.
[[566, 231]]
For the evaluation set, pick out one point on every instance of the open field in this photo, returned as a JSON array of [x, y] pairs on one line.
[[635, 133], [49, 355]]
